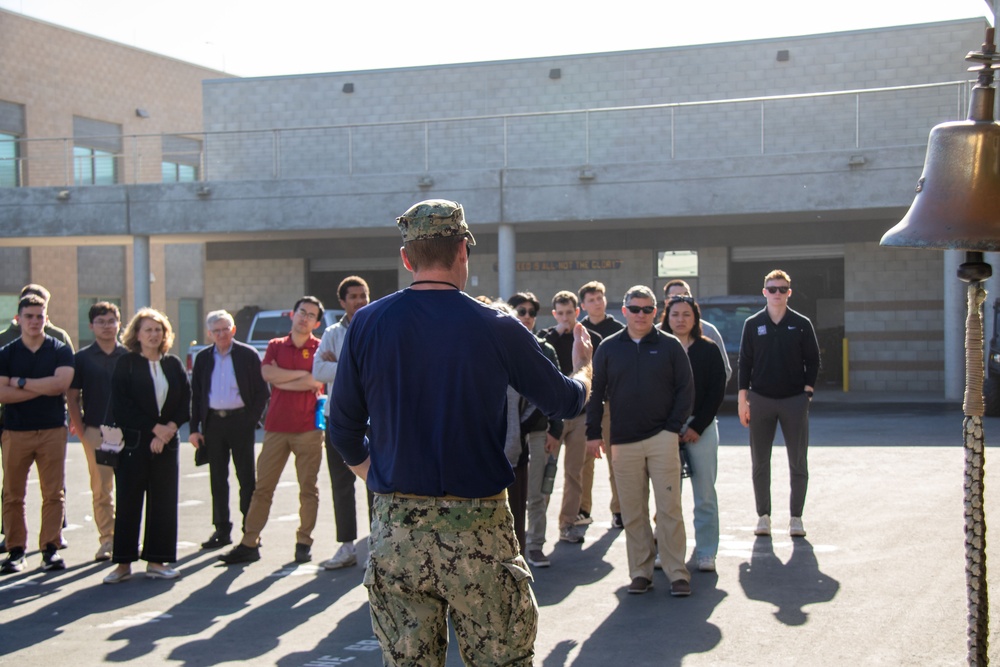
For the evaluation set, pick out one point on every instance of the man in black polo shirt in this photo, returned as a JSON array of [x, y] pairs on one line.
[[92, 382], [35, 372], [779, 362]]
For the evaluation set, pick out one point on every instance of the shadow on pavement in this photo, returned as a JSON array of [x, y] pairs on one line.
[[789, 586]]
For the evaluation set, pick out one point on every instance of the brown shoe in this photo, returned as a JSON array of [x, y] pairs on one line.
[[680, 588], [639, 586]]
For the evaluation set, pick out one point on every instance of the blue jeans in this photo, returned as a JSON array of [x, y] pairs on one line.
[[704, 458]]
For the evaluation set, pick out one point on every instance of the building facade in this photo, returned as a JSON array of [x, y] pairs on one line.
[[715, 163]]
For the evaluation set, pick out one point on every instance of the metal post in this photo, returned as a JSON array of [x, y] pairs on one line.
[[141, 271]]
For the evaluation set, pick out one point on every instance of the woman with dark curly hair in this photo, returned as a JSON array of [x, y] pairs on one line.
[[150, 397]]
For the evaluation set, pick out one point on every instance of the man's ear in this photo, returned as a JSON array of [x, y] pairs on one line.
[[406, 260]]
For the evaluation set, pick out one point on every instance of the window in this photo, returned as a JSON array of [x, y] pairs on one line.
[[181, 158], [677, 264], [8, 308], [11, 130], [96, 147], [9, 172], [84, 335], [93, 167]]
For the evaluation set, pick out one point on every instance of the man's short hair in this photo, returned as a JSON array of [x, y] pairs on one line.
[[676, 283], [30, 300], [103, 308], [314, 301], [35, 288], [439, 252], [778, 274], [565, 296], [217, 315], [347, 283], [524, 297], [593, 286], [640, 292]]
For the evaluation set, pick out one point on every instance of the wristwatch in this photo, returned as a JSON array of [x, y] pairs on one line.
[[21, 382]]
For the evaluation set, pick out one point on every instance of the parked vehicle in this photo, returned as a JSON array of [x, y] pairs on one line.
[[728, 313], [266, 325]]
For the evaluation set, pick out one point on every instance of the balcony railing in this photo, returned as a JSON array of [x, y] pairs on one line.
[[805, 123]]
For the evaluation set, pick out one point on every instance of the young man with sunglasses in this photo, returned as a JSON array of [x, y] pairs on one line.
[[779, 362], [645, 377]]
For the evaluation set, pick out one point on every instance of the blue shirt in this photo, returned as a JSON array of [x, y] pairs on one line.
[[431, 369], [223, 393]]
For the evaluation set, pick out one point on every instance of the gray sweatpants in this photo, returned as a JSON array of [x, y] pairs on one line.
[[793, 415]]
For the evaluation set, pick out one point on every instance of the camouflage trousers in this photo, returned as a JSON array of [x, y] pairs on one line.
[[433, 559]]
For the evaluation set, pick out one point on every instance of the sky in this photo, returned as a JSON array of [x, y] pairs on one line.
[[258, 38]]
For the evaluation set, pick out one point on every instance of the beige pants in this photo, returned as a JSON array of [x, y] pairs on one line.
[[102, 486], [47, 450], [637, 465], [586, 502], [308, 450]]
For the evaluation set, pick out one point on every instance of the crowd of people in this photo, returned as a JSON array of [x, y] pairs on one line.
[[452, 412]]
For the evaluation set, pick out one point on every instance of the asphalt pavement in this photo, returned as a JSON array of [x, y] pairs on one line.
[[879, 579]]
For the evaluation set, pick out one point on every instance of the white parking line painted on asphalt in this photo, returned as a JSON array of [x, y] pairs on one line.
[[190, 503], [296, 571], [138, 619], [195, 475], [17, 585]]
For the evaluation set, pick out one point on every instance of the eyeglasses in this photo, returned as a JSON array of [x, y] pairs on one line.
[[646, 310], [468, 249], [684, 299], [525, 312], [307, 315], [105, 323], [772, 289], [220, 332]]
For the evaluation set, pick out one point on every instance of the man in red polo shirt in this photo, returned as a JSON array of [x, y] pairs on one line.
[[290, 428]]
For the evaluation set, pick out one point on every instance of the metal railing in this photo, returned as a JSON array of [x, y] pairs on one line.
[[771, 125]]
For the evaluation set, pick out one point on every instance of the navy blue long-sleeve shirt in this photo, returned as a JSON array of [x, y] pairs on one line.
[[778, 360], [431, 369], [649, 386]]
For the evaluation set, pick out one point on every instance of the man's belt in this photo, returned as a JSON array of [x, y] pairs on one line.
[[412, 496], [227, 413]]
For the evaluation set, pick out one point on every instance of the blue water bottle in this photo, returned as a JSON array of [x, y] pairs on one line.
[[321, 413]]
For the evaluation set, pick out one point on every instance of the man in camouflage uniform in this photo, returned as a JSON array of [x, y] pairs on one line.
[[429, 366]]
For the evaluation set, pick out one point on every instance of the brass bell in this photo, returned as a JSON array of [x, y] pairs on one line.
[[957, 204]]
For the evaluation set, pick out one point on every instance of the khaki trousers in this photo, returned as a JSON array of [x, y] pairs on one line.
[[308, 450], [575, 437], [587, 503], [47, 450], [102, 486], [637, 465]]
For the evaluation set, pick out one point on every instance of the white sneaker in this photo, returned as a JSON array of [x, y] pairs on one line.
[[346, 556], [657, 563], [763, 526], [104, 552], [706, 564], [795, 528]]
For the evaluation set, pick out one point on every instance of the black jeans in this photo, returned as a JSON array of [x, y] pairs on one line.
[[345, 509], [225, 437]]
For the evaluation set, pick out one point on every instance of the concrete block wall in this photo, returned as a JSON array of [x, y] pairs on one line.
[[55, 267], [830, 62], [269, 283], [892, 318]]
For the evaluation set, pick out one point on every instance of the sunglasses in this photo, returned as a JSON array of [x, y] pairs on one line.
[[685, 299], [647, 310], [525, 312], [773, 289]]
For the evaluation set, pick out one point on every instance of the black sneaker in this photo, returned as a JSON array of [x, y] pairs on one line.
[[14, 561], [303, 553], [240, 554], [217, 541], [51, 560], [616, 520]]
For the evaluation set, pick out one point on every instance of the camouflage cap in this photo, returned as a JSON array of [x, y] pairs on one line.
[[434, 219]]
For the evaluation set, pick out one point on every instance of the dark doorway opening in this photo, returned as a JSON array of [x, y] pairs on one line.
[[323, 284]]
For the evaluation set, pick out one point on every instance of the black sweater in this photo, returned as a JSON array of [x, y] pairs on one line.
[[778, 360], [649, 386], [709, 382]]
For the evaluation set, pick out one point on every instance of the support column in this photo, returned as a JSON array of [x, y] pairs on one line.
[[140, 271], [954, 326], [506, 260]]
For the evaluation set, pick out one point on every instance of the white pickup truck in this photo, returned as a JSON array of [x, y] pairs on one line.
[[266, 325]]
